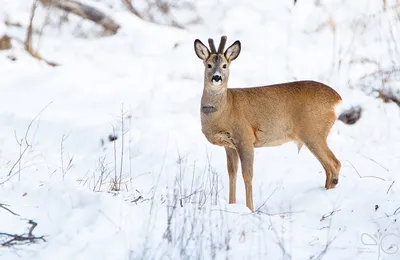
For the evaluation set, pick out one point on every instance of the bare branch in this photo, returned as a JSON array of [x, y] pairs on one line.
[[132, 9], [388, 96], [86, 12], [161, 6], [3, 206], [325, 216], [28, 39], [15, 239]]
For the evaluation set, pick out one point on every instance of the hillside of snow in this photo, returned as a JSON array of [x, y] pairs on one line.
[[105, 151]]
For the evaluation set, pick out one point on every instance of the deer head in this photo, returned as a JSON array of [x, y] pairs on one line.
[[216, 63]]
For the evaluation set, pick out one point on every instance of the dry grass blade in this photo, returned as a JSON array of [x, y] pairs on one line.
[[359, 175], [28, 39], [262, 205], [390, 187]]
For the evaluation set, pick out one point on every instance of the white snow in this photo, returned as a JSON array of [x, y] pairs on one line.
[[173, 202], [2, 28]]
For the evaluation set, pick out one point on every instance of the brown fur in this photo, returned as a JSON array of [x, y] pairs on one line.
[[247, 118]]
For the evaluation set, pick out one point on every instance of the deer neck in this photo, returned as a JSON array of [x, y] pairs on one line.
[[214, 101]]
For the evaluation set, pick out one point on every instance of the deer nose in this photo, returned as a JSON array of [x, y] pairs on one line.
[[217, 78]]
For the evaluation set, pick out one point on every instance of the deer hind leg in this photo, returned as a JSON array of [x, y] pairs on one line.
[[232, 159], [336, 168], [327, 159], [315, 138]]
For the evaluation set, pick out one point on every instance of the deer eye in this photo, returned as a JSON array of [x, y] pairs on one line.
[[224, 66], [209, 66]]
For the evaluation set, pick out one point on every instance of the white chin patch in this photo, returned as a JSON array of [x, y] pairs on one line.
[[217, 83]]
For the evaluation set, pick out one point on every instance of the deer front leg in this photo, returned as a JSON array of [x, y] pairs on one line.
[[232, 163], [246, 155]]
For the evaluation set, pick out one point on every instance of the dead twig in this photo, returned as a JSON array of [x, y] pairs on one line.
[[22, 150], [122, 146], [383, 167], [262, 205], [325, 216], [19, 25], [364, 61], [18, 161], [323, 252], [14, 24], [376, 177], [132, 9], [70, 164], [390, 187], [382, 73], [15, 239], [3, 206], [86, 12], [28, 39], [387, 95], [164, 8]]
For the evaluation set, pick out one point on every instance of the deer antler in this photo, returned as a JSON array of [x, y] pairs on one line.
[[212, 46], [222, 44]]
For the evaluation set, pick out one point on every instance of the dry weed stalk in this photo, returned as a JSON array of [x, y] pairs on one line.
[[28, 39]]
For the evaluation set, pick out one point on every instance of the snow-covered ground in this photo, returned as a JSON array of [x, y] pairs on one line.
[[57, 164]]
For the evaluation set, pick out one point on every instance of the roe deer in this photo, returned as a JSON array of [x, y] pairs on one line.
[[241, 119]]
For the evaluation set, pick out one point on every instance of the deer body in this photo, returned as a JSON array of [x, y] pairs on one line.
[[241, 119]]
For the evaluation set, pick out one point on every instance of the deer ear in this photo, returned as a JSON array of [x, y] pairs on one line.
[[201, 50], [233, 51]]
